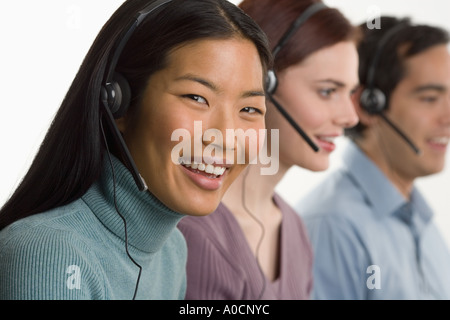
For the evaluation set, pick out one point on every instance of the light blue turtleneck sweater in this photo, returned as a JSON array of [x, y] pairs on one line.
[[78, 251]]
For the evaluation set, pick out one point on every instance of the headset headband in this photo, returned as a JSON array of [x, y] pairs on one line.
[[140, 16], [312, 9], [381, 44]]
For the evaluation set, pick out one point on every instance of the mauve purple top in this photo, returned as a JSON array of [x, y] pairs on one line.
[[221, 264]]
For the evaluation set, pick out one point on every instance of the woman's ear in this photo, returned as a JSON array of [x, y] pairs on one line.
[[365, 117]]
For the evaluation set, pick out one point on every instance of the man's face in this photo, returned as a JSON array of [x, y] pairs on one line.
[[420, 106]]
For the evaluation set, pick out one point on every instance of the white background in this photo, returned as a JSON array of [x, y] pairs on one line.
[[44, 42]]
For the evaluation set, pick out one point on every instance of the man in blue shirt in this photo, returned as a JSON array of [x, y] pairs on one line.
[[371, 230]]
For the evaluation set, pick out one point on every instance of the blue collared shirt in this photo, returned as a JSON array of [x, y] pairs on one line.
[[370, 242]]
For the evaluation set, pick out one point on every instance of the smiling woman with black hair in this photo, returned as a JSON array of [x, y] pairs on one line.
[[82, 225]]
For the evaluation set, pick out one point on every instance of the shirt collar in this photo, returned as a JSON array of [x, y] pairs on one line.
[[422, 213], [379, 191]]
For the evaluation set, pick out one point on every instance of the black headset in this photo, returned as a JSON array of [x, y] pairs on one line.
[[115, 88], [272, 81], [115, 93], [372, 99], [115, 97]]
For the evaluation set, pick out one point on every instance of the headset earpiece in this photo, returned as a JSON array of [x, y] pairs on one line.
[[373, 100], [271, 82], [118, 95]]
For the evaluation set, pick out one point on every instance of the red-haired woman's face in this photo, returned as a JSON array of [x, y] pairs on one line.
[[317, 94]]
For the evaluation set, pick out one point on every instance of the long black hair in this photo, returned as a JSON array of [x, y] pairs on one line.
[[69, 159]]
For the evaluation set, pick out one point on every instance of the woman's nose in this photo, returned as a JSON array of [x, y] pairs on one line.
[[346, 116]]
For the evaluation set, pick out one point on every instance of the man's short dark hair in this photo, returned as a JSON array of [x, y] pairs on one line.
[[403, 44]]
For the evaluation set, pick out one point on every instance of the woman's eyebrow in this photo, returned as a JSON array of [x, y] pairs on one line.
[[335, 82], [338, 84], [213, 87], [253, 93], [191, 77]]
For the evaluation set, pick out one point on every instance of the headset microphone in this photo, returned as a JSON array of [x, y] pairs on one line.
[[372, 99], [293, 123], [397, 129], [272, 81]]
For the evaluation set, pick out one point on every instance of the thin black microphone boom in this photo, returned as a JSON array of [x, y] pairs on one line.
[[272, 81], [122, 148], [293, 123], [401, 133]]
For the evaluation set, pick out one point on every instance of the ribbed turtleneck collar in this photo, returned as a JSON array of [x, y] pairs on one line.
[[149, 222]]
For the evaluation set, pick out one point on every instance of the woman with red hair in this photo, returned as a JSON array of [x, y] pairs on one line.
[[254, 246]]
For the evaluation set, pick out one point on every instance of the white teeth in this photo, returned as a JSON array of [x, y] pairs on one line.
[[440, 140], [328, 139], [218, 171], [208, 168]]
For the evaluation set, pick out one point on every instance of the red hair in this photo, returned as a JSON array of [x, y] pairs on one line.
[[325, 28]]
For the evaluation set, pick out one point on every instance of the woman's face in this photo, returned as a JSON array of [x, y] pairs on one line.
[[208, 85], [317, 94]]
